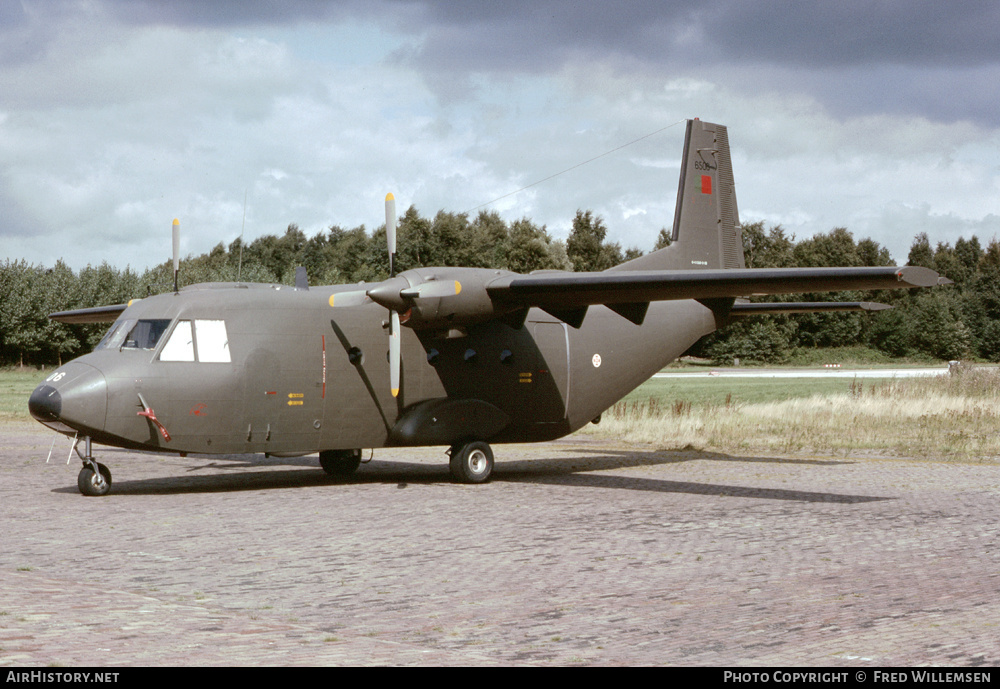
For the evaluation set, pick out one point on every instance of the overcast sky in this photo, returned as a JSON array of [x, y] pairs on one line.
[[117, 116]]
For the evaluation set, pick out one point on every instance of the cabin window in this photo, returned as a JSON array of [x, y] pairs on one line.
[[146, 333], [213, 343], [201, 340], [180, 344]]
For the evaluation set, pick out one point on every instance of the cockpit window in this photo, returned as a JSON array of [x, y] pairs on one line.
[[115, 336], [146, 333], [130, 333]]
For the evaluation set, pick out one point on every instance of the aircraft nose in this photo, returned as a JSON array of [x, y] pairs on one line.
[[45, 403], [75, 398]]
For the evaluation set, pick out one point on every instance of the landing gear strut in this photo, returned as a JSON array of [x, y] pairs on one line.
[[471, 462], [340, 462], [94, 478]]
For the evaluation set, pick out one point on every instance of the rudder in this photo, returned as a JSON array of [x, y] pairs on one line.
[[706, 231]]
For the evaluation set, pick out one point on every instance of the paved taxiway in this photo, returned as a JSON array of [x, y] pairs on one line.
[[578, 552]]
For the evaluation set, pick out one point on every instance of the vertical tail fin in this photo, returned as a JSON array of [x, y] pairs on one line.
[[706, 221]]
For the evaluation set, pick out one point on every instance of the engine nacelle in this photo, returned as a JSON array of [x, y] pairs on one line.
[[437, 298]]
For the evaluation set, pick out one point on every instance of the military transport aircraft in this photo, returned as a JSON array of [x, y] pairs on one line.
[[457, 357]]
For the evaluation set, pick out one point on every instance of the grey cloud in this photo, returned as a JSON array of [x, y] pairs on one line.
[[537, 34], [929, 59]]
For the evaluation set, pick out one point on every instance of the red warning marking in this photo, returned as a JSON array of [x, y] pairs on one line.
[[148, 413], [706, 184]]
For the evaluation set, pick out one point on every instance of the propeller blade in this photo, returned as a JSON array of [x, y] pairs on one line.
[[394, 353], [354, 298], [177, 250], [390, 231]]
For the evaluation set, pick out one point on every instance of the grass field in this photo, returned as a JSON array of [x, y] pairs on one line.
[[947, 417], [951, 417], [702, 391], [15, 387]]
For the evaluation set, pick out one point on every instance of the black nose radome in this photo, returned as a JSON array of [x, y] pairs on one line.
[[45, 403], [74, 398]]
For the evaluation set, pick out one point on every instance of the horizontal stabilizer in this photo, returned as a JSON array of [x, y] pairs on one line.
[[97, 314], [778, 308]]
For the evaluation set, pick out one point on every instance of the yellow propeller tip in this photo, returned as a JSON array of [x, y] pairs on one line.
[[176, 221]]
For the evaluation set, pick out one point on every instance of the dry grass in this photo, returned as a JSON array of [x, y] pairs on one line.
[[955, 417]]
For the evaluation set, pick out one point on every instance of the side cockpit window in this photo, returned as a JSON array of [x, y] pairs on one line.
[[146, 333], [130, 333], [199, 340], [115, 337]]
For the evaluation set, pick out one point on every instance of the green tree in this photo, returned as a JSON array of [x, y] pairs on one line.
[[920, 252], [586, 247], [530, 248], [21, 313], [767, 249], [939, 330], [61, 339], [663, 239], [759, 341]]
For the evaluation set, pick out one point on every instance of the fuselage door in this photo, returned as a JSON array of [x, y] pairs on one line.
[[551, 384]]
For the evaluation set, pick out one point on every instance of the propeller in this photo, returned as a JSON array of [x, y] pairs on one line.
[[398, 294], [390, 238]]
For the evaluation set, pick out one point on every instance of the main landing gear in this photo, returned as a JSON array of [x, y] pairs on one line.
[[471, 462], [340, 463], [95, 478]]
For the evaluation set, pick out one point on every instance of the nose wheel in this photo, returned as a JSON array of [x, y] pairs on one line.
[[94, 478], [93, 482]]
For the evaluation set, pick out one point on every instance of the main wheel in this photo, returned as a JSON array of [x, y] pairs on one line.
[[471, 462], [93, 483], [340, 462]]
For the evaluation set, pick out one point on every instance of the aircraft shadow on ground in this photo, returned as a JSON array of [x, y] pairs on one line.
[[576, 469]]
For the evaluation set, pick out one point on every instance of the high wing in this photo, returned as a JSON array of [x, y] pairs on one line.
[[562, 290], [566, 295], [97, 314]]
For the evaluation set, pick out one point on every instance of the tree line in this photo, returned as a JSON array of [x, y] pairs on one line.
[[955, 322]]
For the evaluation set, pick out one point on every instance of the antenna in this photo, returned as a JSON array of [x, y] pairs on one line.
[[239, 269]]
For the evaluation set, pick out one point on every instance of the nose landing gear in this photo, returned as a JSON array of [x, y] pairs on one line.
[[94, 478]]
